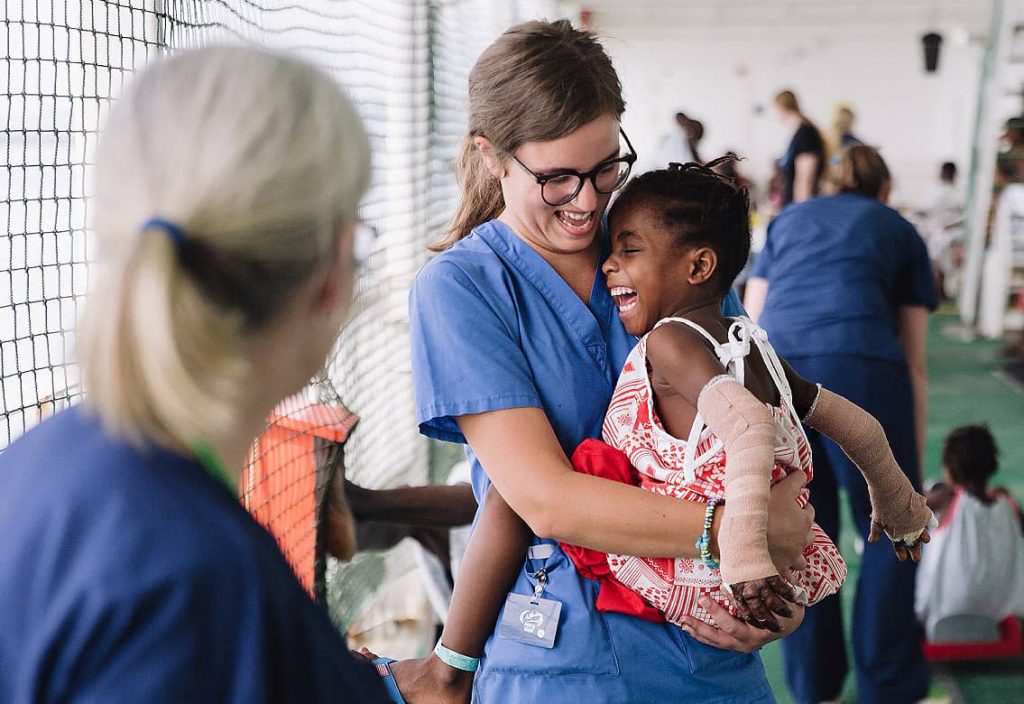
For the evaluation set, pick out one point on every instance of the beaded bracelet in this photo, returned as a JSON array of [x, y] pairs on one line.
[[704, 541]]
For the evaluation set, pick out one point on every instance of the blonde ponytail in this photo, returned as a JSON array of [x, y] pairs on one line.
[[253, 161], [163, 362]]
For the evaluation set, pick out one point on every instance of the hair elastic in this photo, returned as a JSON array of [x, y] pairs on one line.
[[456, 660], [172, 230]]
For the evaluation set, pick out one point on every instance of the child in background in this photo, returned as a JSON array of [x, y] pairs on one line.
[[975, 564]]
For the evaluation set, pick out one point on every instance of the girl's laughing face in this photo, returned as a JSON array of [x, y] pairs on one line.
[[647, 274]]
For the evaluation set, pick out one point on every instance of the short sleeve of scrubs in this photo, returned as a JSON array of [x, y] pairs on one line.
[[915, 282], [466, 355], [731, 306]]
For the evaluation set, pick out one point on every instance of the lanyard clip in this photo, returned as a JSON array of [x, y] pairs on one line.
[[542, 582]]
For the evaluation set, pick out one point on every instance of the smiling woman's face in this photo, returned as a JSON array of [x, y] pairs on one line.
[[562, 229]]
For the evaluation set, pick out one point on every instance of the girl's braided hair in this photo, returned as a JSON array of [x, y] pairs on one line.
[[698, 207], [970, 454]]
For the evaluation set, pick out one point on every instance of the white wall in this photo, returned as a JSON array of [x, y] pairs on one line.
[[724, 76]]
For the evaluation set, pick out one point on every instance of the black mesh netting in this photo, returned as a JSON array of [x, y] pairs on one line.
[[404, 63]]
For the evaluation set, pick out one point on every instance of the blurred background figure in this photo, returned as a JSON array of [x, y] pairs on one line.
[[941, 221], [802, 164], [694, 134], [675, 145], [972, 576], [842, 134], [844, 288]]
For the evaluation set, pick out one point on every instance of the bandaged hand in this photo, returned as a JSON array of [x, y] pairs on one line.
[[896, 509], [745, 427]]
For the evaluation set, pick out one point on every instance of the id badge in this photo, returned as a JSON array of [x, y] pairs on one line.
[[531, 620]]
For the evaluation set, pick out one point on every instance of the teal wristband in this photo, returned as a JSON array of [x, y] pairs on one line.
[[456, 660], [704, 541]]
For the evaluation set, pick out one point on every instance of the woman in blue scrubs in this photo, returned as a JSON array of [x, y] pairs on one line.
[[227, 182], [516, 350], [844, 288]]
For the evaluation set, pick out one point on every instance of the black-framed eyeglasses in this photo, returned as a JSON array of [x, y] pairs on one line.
[[560, 187]]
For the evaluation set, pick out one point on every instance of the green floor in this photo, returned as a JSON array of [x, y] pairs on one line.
[[965, 388]]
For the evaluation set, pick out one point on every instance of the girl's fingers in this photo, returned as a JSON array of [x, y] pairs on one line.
[[741, 607], [901, 551], [751, 595], [782, 588], [780, 593]]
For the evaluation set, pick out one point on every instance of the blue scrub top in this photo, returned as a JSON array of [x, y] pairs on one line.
[[838, 270], [495, 327], [131, 575]]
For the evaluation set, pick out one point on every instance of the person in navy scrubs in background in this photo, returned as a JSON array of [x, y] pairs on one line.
[[226, 188], [844, 288]]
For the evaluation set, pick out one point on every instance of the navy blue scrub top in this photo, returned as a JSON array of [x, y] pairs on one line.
[[806, 140], [136, 576], [838, 270], [494, 327]]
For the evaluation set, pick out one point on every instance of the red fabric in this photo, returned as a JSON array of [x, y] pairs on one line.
[[1009, 645], [598, 459]]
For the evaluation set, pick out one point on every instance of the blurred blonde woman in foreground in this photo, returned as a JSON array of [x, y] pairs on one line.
[[227, 183]]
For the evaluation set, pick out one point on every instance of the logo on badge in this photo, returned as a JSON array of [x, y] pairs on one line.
[[531, 621]]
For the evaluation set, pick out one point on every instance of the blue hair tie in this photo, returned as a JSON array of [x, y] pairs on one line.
[[172, 230]]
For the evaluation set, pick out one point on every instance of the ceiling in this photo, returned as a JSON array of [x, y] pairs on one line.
[[973, 16]]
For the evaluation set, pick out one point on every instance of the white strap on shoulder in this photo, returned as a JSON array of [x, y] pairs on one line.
[[690, 459], [724, 352], [751, 331], [704, 333]]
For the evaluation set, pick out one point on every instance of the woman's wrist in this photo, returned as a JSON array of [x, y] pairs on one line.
[[445, 674]]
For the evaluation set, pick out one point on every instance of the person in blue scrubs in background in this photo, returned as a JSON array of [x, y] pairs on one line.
[[844, 287], [516, 349], [226, 187]]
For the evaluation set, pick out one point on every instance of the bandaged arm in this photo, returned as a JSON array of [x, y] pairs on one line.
[[745, 427], [895, 506]]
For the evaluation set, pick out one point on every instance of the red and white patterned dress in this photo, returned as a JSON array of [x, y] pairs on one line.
[[694, 470]]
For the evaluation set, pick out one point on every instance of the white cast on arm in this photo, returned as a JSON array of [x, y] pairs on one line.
[[899, 510], [745, 427]]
